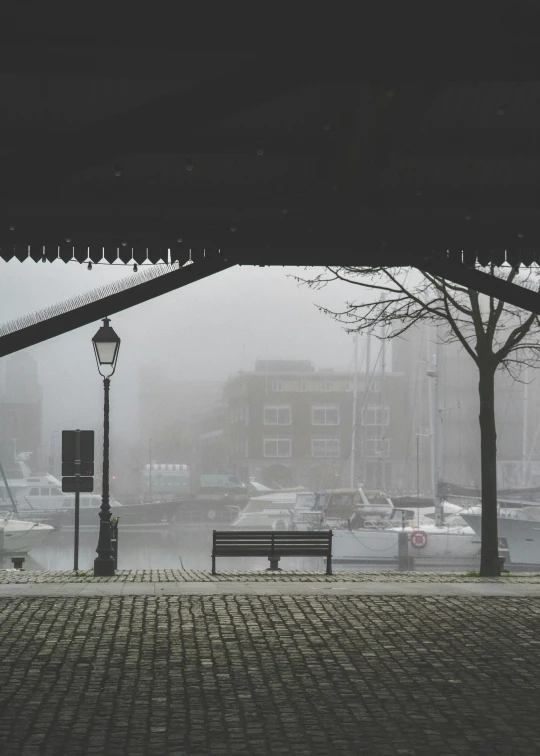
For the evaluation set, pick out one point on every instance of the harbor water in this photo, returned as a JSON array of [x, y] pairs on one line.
[[178, 547]]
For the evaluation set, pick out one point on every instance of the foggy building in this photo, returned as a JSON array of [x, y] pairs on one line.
[[169, 411], [20, 408], [212, 445], [287, 423], [517, 410]]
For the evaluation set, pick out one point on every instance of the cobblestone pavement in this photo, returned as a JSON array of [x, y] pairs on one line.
[[204, 576], [191, 676]]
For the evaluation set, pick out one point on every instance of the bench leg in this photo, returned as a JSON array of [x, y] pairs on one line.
[[328, 565], [213, 565], [273, 563]]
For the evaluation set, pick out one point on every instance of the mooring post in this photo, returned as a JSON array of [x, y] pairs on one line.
[[403, 546]]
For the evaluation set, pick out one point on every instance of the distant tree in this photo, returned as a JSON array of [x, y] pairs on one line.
[[494, 334]]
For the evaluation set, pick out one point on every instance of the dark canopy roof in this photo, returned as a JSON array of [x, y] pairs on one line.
[[119, 142]]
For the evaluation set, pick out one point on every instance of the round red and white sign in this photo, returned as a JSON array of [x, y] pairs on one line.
[[419, 539]]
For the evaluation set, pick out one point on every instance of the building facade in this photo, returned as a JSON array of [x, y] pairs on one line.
[[287, 423], [517, 411], [20, 409]]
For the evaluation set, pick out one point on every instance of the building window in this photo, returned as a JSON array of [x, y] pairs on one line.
[[286, 385], [277, 447], [277, 414], [325, 447], [325, 414], [375, 416], [376, 447]]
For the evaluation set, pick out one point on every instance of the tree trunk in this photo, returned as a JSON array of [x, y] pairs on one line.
[[489, 559]]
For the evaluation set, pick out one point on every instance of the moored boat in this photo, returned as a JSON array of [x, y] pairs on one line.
[[519, 529], [20, 536], [453, 541]]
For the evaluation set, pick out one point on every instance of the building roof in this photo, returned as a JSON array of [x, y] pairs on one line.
[[131, 139]]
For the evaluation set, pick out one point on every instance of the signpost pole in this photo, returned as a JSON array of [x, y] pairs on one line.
[[77, 497]]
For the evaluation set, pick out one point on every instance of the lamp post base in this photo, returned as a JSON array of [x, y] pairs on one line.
[[103, 567]]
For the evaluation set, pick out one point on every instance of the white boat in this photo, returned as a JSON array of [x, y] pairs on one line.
[[520, 529], [452, 541], [19, 536], [268, 512], [38, 495], [303, 510]]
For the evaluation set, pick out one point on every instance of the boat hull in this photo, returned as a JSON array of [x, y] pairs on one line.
[[201, 511], [20, 536], [382, 545], [522, 537]]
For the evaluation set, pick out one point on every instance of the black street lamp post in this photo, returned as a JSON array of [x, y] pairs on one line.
[[106, 348]]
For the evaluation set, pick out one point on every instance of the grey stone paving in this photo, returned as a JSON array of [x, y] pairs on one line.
[[204, 576], [198, 675]]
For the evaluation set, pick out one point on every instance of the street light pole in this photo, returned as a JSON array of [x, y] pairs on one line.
[[106, 347], [104, 562]]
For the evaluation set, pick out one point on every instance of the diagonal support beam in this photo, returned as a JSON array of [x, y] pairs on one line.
[[50, 327], [485, 283]]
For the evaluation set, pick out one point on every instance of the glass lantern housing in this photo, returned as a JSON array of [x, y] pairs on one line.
[[106, 346]]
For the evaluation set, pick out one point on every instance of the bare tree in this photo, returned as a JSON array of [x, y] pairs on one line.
[[494, 334]]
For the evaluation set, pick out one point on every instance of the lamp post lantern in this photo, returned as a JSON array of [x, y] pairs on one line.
[[106, 347]]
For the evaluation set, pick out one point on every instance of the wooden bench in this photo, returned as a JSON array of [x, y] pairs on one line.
[[272, 544]]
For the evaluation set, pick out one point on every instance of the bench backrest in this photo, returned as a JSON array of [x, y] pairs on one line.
[[262, 543]]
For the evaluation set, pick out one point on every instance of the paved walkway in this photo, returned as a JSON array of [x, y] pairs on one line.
[[270, 588], [300, 669]]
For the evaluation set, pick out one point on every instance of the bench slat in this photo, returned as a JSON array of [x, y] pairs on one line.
[[312, 535], [296, 541], [266, 552]]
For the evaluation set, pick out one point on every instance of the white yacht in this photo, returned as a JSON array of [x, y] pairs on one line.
[[519, 527], [268, 512], [39, 495], [19, 536], [307, 510], [453, 541]]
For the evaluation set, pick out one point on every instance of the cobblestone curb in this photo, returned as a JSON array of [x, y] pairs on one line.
[[203, 576]]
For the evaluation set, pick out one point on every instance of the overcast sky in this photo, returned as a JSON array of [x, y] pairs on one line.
[[206, 331]]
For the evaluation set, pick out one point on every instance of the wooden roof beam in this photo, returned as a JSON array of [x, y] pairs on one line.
[[202, 142], [467, 142], [176, 116], [441, 234]]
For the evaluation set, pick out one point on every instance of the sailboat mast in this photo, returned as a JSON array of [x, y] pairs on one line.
[[434, 417], [369, 379], [354, 412], [383, 431], [8, 489], [525, 429]]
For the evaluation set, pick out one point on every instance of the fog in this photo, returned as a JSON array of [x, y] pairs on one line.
[[212, 329], [205, 331]]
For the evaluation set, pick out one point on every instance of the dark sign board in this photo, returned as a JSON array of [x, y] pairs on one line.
[[69, 452], [86, 485], [87, 468]]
